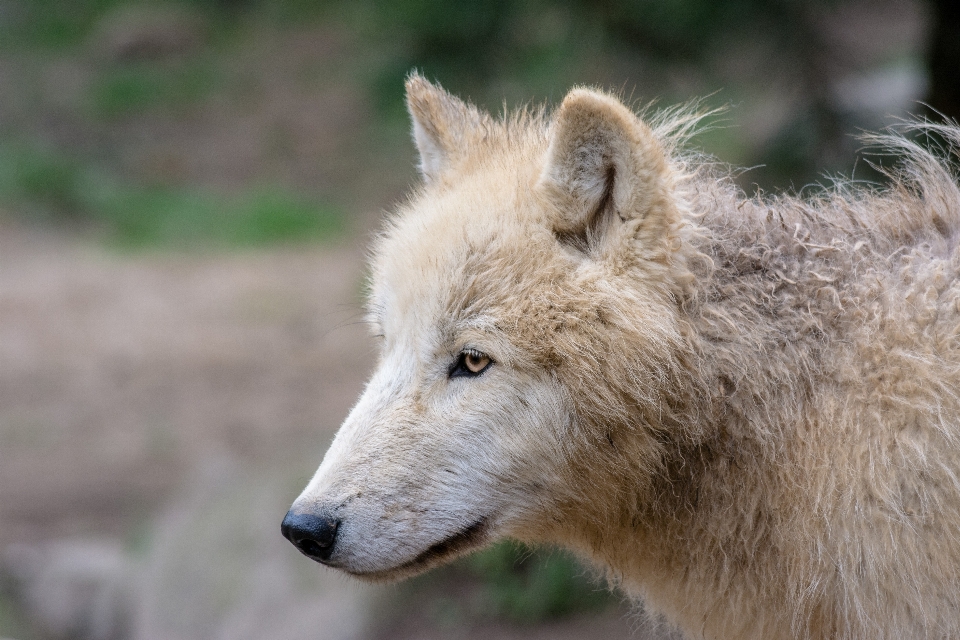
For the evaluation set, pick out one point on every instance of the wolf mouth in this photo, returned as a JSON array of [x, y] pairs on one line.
[[467, 538], [459, 541]]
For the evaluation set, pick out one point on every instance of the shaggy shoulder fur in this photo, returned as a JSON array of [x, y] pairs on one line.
[[825, 333], [818, 382]]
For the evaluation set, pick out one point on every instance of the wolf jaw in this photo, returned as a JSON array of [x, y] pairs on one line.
[[468, 539]]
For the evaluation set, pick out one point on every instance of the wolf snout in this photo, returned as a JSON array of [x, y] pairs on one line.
[[314, 535]]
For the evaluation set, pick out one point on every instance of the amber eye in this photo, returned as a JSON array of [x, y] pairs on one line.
[[470, 363], [475, 362]]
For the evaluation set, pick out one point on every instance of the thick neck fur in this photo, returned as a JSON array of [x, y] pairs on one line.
[[784, 325]]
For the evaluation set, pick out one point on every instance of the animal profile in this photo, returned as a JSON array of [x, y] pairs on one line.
[[745, 410]]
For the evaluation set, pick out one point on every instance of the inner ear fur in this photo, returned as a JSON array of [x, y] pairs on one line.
[[603, 167], [443, 125]]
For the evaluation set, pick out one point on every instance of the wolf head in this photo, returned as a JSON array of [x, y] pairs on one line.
[[525, 302]]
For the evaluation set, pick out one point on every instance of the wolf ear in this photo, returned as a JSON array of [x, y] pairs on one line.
[[604, 167], [442, 125]]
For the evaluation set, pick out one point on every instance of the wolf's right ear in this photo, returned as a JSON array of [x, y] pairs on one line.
[[605, 170], [443, 125]]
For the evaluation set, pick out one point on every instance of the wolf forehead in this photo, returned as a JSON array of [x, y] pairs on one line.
[[468, 285], [467, 251]]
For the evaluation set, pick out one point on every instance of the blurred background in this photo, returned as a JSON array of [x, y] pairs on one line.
[[186, 191]]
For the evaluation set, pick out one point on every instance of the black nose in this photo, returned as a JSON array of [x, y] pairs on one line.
[[313, 535]]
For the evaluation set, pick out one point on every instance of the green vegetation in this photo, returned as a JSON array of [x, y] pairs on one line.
[[509, 582], [528, 585], [178, 218], [48, 186], [130, 89], [11, 623], [79, 179], [41, 184], [46, 24]]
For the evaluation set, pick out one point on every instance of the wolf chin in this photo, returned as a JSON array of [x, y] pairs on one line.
[[745, 410]]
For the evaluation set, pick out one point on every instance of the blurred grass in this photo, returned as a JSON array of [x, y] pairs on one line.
[[53, 25], [507, 582], [196, 219], [530, 585], [133, 88], [49, 24], [48, 186], [11, 622]]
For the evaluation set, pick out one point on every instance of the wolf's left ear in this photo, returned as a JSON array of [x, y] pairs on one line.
[[443, 125], [604, 167]]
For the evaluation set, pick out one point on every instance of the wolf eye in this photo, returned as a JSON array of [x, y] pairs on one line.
[[471, 363]]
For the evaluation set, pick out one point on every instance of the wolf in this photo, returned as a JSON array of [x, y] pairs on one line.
[[744, 410]]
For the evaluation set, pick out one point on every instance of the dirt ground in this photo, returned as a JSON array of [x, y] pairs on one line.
[[121, 373]]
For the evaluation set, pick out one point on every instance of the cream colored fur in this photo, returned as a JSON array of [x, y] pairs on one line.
[[746, 410]]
